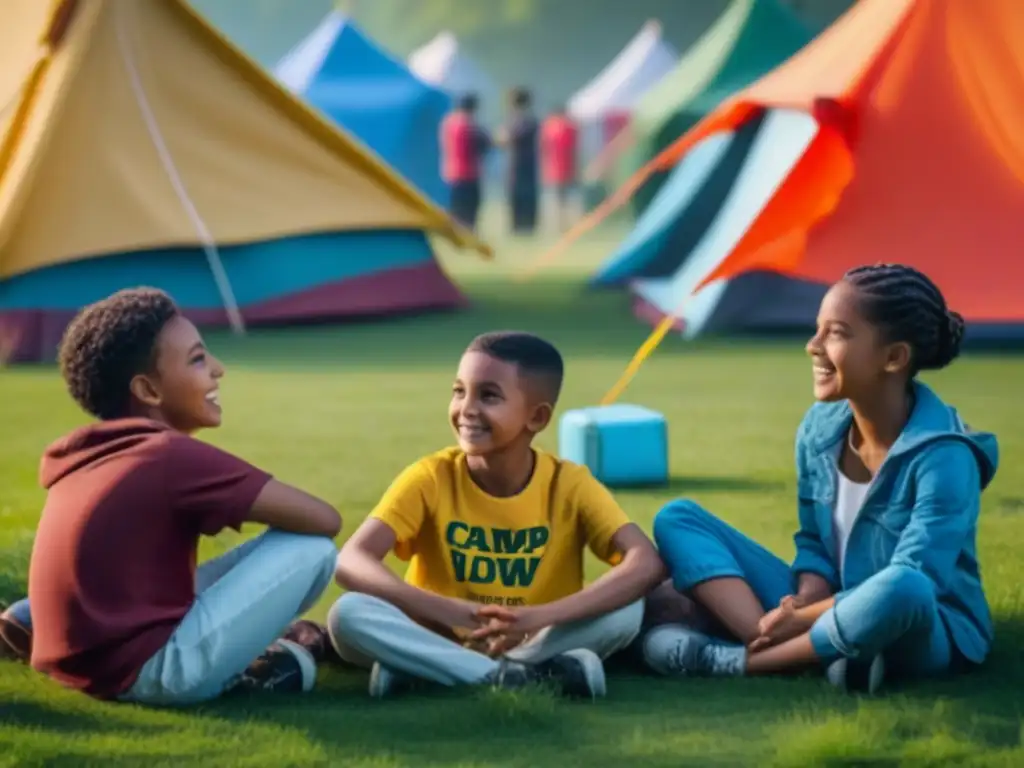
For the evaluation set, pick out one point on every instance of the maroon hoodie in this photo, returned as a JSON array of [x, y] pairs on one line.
[[114, 561]]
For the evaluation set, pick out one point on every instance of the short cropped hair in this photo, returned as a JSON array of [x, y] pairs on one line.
[[110, 342], [532, 355]]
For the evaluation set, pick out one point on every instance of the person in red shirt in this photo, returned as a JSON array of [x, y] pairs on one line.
[[117, 607], [464, 144], [559, 144]]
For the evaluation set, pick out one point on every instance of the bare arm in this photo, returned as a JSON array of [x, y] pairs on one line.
[[812, 588], [639, 571], [289, 509], [361, 569]]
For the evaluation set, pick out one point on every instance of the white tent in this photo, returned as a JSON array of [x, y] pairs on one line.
[[613, 93], [301, 64], [443, 64]]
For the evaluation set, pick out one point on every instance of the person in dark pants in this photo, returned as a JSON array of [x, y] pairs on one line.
[[464, 143], [520, 138]]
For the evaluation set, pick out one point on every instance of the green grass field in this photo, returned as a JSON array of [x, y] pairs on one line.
[[340, 410]]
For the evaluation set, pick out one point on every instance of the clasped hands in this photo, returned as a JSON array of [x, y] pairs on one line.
[[781, 624], [496, 629]]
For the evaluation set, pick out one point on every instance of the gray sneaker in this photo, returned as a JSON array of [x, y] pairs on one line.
[[853, 676], [385, 681], [672, 649]]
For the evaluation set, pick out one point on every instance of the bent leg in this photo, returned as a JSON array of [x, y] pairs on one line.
[[728, 573], [271, 581], [604, 635], [366, 629], [894, 613]]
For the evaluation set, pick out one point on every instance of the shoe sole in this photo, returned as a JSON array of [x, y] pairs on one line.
[[307, 664], [593, 672]]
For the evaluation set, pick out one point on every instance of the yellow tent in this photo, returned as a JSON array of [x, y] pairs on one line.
[[134, 127]]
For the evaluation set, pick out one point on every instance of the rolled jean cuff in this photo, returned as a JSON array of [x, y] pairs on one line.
[[684, 582], [826, 639]]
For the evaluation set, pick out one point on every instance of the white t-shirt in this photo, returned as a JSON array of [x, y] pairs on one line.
[[849, 500]]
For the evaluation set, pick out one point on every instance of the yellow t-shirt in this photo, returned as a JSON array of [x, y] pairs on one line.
[[523, 550]]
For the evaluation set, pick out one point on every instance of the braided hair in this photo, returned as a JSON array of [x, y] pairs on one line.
[[907, 306]]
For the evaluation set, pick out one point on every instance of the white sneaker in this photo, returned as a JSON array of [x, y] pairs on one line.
[[385, 681], [852, 676], [672, 649]]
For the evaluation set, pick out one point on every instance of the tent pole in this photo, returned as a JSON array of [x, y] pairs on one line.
[[220, 275]]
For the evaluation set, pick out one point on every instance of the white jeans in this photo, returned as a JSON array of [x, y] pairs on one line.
[[366, 629], [245, 600]]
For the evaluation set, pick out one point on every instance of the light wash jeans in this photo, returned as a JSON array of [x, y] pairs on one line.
[[366, 629], [245, 600], [895, 612]]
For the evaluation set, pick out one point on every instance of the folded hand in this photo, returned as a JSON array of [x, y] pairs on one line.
[[779, 624]]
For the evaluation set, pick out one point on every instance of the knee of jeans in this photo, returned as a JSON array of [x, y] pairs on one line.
[[907, 587], [345, 618], [681, 513], [625, 621]]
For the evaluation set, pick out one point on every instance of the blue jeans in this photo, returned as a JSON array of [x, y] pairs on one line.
[[895, 612], [245, 600]]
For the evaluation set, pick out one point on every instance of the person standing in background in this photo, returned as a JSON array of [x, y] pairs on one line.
[[559, 144], [464, 143], [520, 138]]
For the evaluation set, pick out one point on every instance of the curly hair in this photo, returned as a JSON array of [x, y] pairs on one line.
[[909, 307], [110, 342]]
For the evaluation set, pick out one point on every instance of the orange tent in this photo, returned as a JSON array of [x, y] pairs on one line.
[[920, 155]]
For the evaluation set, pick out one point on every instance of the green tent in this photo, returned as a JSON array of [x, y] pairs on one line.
[[748, 40]]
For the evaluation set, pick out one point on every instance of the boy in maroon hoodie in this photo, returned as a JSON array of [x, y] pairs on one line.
[[119, 608]]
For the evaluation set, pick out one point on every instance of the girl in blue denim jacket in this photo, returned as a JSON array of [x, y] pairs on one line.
[[886, 575]]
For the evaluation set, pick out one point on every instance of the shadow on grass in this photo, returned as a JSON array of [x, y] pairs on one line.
[[798, 721]]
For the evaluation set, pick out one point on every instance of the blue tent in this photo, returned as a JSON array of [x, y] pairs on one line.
[[372, 95]]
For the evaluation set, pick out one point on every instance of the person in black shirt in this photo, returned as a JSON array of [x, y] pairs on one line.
[[520, 138]]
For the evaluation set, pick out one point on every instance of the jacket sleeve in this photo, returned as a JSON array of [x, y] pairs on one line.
[[811, 554], [947, 497]]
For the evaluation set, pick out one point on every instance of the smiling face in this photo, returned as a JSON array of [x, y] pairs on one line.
[[851, 359], [183, 390], [493, 406]]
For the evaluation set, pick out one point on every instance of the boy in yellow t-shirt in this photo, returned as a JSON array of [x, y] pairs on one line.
[[494, 531]]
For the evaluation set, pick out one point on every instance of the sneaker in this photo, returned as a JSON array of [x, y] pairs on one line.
[[285, 667], [385, 681], [678, 650], [574, 674], [15, 638], [853, 676], [314, 638]]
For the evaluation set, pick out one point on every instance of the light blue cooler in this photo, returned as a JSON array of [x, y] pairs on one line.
[[621, 444]]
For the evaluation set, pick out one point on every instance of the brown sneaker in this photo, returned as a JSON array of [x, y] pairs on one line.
[[15, 639], [285, 667], [314, 638]]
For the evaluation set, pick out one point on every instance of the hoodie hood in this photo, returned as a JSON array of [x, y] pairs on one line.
[[92, 444], [931, 420]]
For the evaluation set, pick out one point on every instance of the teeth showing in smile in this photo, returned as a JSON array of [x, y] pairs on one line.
[[214, 397]]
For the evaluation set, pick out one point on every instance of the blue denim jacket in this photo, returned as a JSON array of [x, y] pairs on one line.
[[921, 510]]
